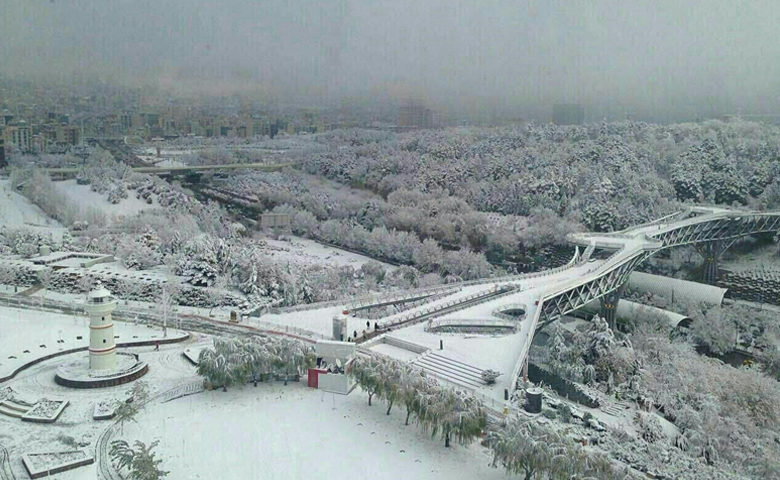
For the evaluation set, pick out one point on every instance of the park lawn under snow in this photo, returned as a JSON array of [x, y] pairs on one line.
[[759, 258], [309, 252], [85, 197], [29, 329], [294, 432], [17, 211]]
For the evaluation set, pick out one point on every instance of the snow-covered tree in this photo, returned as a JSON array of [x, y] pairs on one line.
[[127, 410], [457, 415], [140, 462], [368, 375]]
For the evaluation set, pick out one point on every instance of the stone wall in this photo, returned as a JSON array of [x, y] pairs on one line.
[[562, 386]]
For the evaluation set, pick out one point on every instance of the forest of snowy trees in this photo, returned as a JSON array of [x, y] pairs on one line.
[[441, 203]]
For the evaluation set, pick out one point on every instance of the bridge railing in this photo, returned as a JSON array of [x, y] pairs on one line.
[[369, 299], [469, 322], [499, 312], [448, 307], [365, 300], [399, 296], [589, 236], [522, 276], [651, 222]]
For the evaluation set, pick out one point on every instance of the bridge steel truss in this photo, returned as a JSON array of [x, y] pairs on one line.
[[715, 231], [725, 228], [552, 307]]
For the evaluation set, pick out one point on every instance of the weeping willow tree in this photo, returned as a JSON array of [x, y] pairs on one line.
[[392, 386], [461, 417], [367, 372], [439, 411], [412, 382], [234, 361]]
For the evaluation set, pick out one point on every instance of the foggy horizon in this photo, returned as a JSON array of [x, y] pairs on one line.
[[659, 61]]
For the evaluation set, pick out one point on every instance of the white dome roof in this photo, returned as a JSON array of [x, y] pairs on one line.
[[99, 291]]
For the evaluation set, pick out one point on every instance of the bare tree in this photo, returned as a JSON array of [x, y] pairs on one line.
[[7, 275], [45, 278], [168, 292], [85, 284], [166, 302], [216, 292], [127, 410]]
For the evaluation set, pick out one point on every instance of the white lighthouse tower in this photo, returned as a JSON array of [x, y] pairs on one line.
[[102, 349]]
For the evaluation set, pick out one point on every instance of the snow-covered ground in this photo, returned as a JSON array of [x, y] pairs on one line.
[[170, 162], [269, 432], [38, 332], [17, 211], [759, 258], [304, 251], [83, 196], [167, 369], [275, 432], [221, 313], [395, 352]]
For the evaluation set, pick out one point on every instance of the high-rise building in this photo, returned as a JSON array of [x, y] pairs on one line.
[[127, 121], [19, 135], [414, 115], [3, 162], [568, 114], [68, 134]]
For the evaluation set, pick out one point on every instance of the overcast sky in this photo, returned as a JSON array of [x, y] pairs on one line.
[[644, 57]]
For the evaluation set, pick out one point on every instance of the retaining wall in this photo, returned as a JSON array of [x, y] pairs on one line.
[[562, 386]]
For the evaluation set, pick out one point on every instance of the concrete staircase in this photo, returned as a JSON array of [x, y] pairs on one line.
[[450, 370], [614, 408], [13, 409], [608, 404], [31, 291]]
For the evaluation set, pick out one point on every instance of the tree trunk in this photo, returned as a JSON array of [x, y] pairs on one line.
[[447, 440], [388, 408], [285, 378], [408, 414], [369, 398], [224, 388]]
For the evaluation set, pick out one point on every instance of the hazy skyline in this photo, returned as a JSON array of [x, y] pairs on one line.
[[644, 59]]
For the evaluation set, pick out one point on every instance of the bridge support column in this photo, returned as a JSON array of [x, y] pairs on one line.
[[609, 303], [711, 252]]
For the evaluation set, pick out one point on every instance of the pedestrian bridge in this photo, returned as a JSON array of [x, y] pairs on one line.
[[67, 172], [546, 296]]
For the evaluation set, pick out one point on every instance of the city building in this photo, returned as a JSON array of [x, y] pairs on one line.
[[19, 135], [68, 134], [568, 114], [413, 115], [3, 162]]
